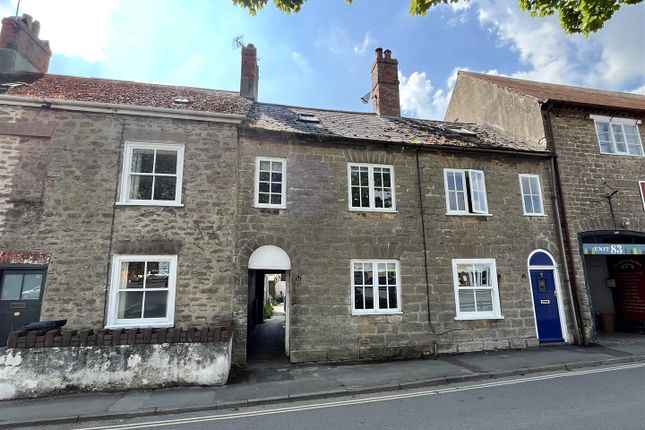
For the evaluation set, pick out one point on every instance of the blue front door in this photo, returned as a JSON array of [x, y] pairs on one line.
[[546, 306]]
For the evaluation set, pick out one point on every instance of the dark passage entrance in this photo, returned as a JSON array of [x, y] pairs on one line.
[[615, 271], [267, 317]]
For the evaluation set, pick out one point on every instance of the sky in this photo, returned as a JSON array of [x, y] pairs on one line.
[[321, 57]]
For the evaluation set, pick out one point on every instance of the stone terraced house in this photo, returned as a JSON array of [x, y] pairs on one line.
[[126, 205], [597, 139]]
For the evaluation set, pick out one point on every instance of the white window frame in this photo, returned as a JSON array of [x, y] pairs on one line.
[[376, 310], [124, 196], [468, 192], [283, 191], [641, 186], [370, 174], [496, 313], [168, 321], [617, 121], [524, 192]]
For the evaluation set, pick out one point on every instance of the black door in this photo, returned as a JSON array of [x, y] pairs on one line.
[[21, 292]]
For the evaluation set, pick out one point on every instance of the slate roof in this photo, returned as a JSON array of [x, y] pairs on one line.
[[369, 126], [543, 91], [130, 93]]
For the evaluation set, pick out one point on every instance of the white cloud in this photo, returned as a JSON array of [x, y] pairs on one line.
[[640, 90], [361, 47], [419, 98], [302, 63], [75, 28], [609, 59]]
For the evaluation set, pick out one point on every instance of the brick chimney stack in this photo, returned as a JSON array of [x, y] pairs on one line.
[[21, 50], [385, 84], [250, 73]]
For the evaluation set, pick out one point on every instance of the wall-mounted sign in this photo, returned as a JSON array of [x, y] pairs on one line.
[[612, 249]]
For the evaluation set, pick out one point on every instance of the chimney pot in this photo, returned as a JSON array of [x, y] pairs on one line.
[[35, 29], [385, 84]]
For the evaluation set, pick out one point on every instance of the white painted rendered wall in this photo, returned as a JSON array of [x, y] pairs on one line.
[[37, 372]]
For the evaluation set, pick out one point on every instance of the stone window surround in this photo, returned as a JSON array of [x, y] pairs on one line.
[[130, 146], [168, 321], [256, 192], [468, 193], [372, 207], [376, 311], [496, 313], [539, 193], [614, 120]]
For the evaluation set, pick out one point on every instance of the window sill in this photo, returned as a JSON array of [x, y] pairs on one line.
[[257, 206], [355, 313], [466, 214], [387, 211], [139, 324], [152, 203], [535, 215], [621, 155], [479, 318]]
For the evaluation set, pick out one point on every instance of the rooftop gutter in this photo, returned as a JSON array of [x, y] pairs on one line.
[[119, 109]]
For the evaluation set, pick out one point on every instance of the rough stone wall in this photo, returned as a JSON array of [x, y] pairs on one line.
[[75, 219], [507, 236], [587, 177], [321, 236]]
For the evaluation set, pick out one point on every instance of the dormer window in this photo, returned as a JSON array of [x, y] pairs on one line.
[[618, 136]]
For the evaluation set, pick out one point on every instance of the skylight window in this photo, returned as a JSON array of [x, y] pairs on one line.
[[307, 117], [181, 101]]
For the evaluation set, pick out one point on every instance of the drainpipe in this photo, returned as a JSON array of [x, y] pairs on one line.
[[425, 253], [563, 229]]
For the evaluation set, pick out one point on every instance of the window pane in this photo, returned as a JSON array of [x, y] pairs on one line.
[[365, 197], [382, 278], [265, 165], [157, 276], [467, 301], [166, 161], [484, 300], [276, 199], [11, 285], [165, 187], [461, 201], [276, 188], [606, 147], [354, 176], [393, 301], [265, 176], [130, 304], [367, 274], [452, 201], [31, 286], [537, 204], [276, 166], [142, 160], [459, 182], [528, 204], [356, 197], [369, 298], [135, 271], [263, 198], [526, 188], [358, 275], [377, 177], [378, 198], [464, 276], [363, 177], [387, 199], [386, 178], [264, 187], [451, 180], [140, 187], [276, 177], [382, 298], [358, 298], [155, 304]]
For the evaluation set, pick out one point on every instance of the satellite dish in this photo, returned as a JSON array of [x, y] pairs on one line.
[[366, 98]]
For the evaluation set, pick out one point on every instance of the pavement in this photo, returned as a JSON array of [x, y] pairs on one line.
[[268, 380]]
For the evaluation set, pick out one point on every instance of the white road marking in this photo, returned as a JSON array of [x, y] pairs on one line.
[[349, 402]]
